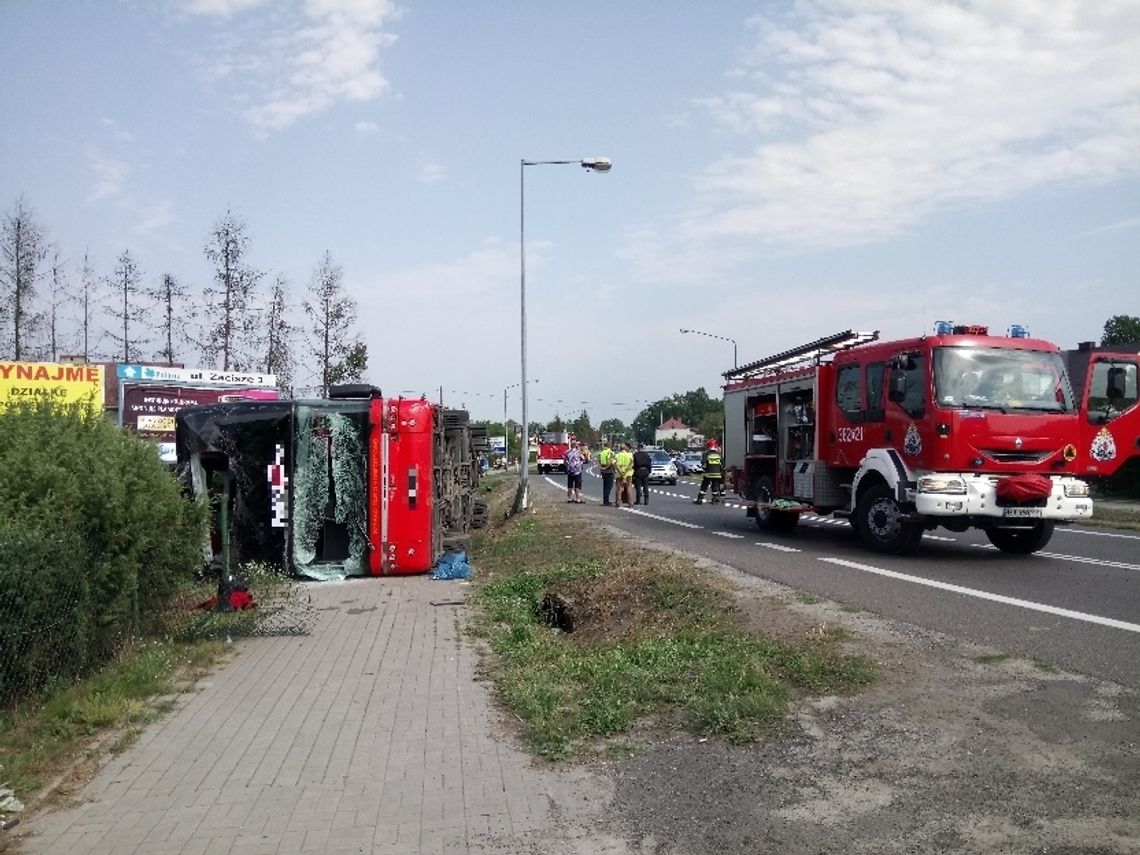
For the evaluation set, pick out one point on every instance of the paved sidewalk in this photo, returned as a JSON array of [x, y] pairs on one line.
[[370, 735]]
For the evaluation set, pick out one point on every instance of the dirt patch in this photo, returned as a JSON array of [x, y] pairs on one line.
[[948, 752]]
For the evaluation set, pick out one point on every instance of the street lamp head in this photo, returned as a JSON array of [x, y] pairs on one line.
[[597, 164]]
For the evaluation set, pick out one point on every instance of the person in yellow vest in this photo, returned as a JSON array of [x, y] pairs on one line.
[[623, 466], [606, 468], [713, 479]]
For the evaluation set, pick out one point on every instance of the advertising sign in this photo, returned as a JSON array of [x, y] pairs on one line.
[[149, 408], [193, 376], [498, 444], [63, 383]]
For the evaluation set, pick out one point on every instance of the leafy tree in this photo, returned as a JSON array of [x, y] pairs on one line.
[[555, 424], [1121, 329], [230, 341], [712, 425], [340, 356], [611, 428], [22, 251], [582, 429], [125, 309], [690, 408]]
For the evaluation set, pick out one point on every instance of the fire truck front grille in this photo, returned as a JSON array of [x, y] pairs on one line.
[[1004, 456], [1002, 502]]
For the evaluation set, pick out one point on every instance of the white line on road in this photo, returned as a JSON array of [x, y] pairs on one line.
[[1080, 559], [1066, 530], [779, 547], [663, 519], [986, 595], [728, 534]]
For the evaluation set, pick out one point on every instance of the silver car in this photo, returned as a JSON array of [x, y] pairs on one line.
[[664, 470]]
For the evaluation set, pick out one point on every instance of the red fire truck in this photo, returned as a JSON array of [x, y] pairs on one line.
[[1105, 381], [552, 448], [959, 429], [357, 484]]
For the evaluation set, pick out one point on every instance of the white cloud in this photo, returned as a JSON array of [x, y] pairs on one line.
[[859, 118], [1120, 225], [152, 217], [330, 56], [110, 175], [430, 172], [117, 130], [225, 8], [366, 129]]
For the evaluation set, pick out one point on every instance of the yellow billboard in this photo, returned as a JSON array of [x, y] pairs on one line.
[[62, 383]]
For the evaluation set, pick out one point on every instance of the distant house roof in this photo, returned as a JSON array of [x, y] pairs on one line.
[[673, 424]]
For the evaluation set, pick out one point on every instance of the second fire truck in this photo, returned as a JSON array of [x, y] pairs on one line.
[[959, 429]]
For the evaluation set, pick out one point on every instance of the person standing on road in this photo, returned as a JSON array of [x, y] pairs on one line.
[[642, 466], [606, 468], [574, 463], [713, 479], [623, 465]]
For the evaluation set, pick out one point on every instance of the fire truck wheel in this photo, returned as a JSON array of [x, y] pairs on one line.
[[1022, 541], [883, 525], [766, 518]]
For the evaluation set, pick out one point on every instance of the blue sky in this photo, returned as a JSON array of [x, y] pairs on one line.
[[782, 171]]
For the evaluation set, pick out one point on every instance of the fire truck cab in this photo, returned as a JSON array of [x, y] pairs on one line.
[[957, 429]]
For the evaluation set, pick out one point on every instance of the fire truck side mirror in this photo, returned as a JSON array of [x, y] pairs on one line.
[[1117, 376], [897, 390]]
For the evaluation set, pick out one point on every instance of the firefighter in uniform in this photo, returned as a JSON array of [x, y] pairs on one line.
[[713, 479]]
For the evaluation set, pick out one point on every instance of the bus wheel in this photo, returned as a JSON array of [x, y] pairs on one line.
[[883, 525], [766, 518], [1022, 541]]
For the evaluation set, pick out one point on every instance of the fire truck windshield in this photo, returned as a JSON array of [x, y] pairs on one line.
[[1002, 379], [554, 438]]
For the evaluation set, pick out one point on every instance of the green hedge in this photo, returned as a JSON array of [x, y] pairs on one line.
[[95, 536]]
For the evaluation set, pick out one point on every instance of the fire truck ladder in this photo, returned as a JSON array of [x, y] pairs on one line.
[[811, 353]]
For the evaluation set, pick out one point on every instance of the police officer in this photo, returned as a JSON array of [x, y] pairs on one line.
[[713, 479]]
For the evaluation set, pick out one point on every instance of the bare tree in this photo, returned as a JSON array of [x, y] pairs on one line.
[[279, 337], [57, 298], [22, 251], [91, 298], [331, 313], [170, 295], [231, 339], [126, 309]]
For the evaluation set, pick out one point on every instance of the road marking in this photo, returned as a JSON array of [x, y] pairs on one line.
[[1080, 559], [939, 538], [986, 595], [1066, 530], [728, 534], [663, 519], [779, 547]]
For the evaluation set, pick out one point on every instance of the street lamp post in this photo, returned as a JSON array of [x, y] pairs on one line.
[[593, 164], [506, 436], [721, 337]]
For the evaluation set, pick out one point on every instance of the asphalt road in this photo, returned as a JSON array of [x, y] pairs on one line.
[[1075, 605]]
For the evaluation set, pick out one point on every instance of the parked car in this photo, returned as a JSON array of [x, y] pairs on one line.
[[664, 470], [691, 463]]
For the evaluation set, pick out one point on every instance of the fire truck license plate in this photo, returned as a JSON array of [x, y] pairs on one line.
[[1022, 512]]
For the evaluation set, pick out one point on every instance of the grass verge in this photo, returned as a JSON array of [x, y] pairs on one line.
[[1114, 517], [654, 641], [43, 738]]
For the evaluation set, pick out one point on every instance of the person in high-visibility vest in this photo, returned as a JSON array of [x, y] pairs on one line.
[[606, 468], [623, 463], [713, 479]]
